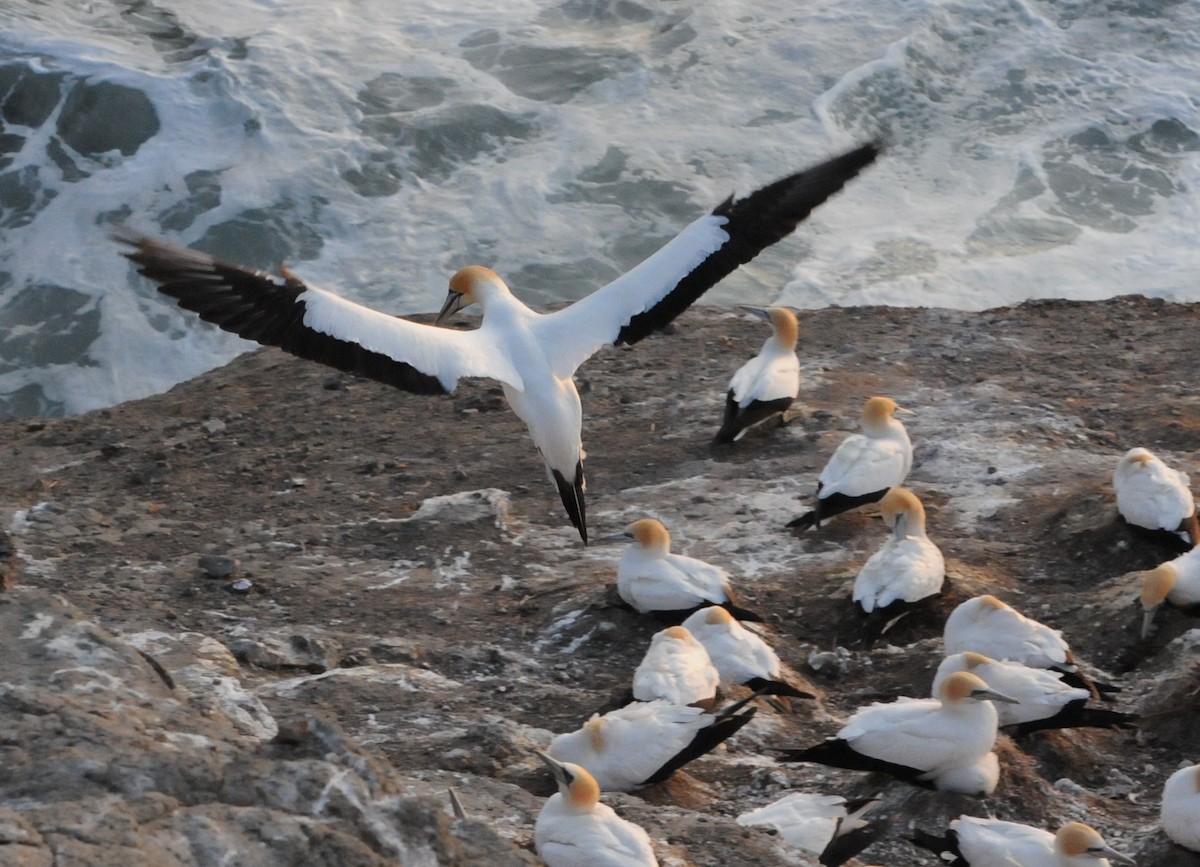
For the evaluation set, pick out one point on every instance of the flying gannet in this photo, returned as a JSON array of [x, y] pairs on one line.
[[653, 580], [765, 386], [575, 829], [827, 826], [533, 355], [906, 569], [740, 656], [1155, 500], [864, 466], [1043, 700], [1180, 810], [976, 842], [645, 742], [922, 741], [676, 668], [1176, 581]]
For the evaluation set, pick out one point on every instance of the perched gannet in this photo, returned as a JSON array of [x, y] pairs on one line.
[[647, 741], [922, 741], [994, 843], [824, 825], [1180, 811], [864, 466], [765, 386], [575, 829], [986, 625], [907, 568], [1043, 701], [533, 355], [1177, 582], [740, 656], [677, 669], [1154, 498], [652, 579]]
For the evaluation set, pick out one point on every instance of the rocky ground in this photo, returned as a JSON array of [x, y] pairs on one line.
[[409, 611]]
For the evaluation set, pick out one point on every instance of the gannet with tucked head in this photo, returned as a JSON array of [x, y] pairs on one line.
[[740, 656], [1043, 700], [1180, 810], [676, 668], [921, 741], [993, 843], [1155, 499], [827, 826], [765, 386], [653, 580], [1176, 582], [533, 355], [647, 741], [864, 466], [575, 829]]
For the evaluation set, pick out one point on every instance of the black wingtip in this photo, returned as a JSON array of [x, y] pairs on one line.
[[573, 499], [776, 687], [804, 522]]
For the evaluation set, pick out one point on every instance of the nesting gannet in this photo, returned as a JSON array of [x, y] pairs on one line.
[[995, 843], [765, 386], [740, 656], [645, 742], [1156, 499], [676, 668], [828, 826], [907, 568], [986, 625], [917, 740], [533, 355], [575, 829], [1176, 581], [1043, 700], [1180, 810], [653, 580], [864, 466]]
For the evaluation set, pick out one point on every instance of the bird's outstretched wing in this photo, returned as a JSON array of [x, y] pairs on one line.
[[318, 325], [653, 293]]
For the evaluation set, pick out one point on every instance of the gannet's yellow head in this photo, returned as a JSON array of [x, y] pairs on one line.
[[1157, 584], [1077, 840], [579, 788], [963, 686], [715, 615], [649, 533], [973, 660], [468, 286], [902, 501], [786, 325]]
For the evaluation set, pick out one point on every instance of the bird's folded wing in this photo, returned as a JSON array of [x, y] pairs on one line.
[[318, 325]]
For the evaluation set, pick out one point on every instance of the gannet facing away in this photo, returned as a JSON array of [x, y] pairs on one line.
[[1043, 700], [647, 741], [993, 843], [533, 355], [676, 668], [1176, 582], [575, 829], [828, 826], [864, 466], [1155, 499], [653, 580], [765, 386], [922, 741], [1180, 810], [741, 657]]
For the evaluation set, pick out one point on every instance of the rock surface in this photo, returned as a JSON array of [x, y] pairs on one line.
[[414, 612]]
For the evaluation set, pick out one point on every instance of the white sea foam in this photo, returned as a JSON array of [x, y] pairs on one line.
[[1035, 149]]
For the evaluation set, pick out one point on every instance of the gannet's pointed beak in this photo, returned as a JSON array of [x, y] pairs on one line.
[[1112, 855], [623, 536], [902, 411], [560, 772], [760, 312], [1148, 621], [992, 695], [454, 301]]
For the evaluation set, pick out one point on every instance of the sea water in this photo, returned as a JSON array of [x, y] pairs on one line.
[[1034, 149]]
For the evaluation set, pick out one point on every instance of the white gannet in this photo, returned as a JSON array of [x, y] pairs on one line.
[[907, 568], [1176, 581], [653, 580], [647, 741], [1154, 499], [676, 668], [765, 386], [994, 843], [824, 825], [922, 741], [1043, 700], [864, 466], [574, 829], [533, 355], [1180, 810], [741, 656]]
